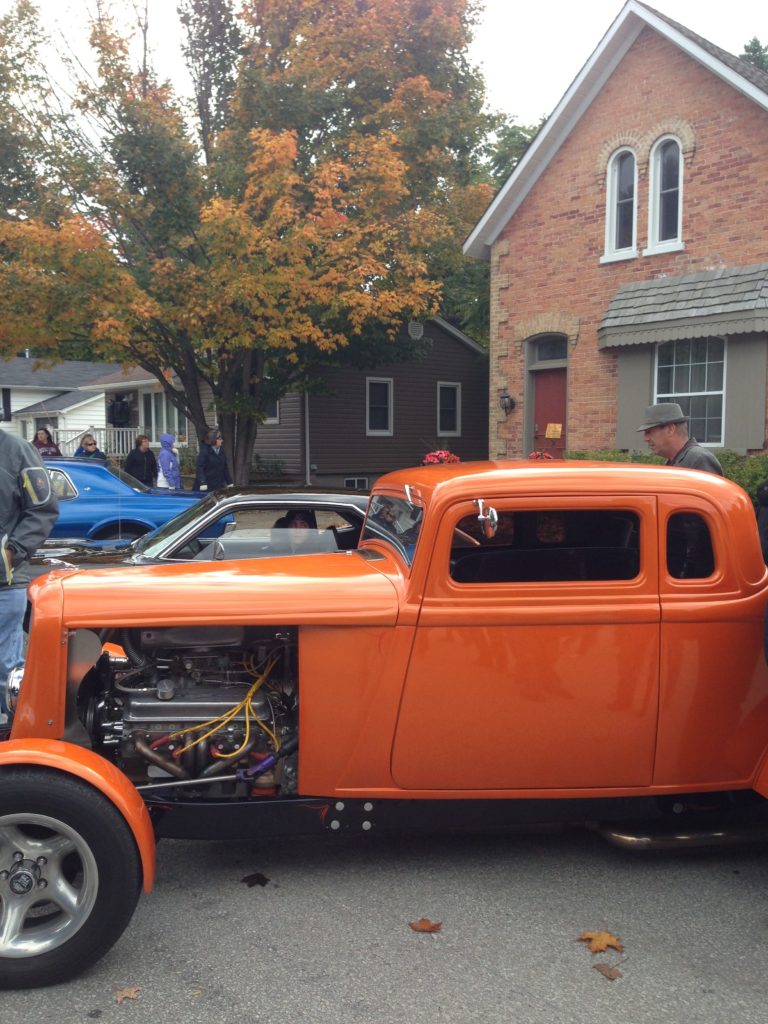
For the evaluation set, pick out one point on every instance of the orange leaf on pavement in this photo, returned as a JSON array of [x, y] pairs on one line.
[[598, 942], [425, 925], [127, 993]]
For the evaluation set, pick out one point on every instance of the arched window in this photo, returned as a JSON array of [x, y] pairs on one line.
[[666, 196], [621, 209]]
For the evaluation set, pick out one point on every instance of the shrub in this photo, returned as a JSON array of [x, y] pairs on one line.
[[749, 471]]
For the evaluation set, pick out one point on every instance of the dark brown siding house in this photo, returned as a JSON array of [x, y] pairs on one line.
[[368, 422]]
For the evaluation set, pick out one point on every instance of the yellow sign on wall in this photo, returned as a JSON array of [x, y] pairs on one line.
[[554, 430]]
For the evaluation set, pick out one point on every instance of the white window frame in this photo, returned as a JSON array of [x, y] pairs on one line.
[[356, 483], [611, 253], [180, 430], [675, 396], [456, 386], [389, 381], [654, 200]]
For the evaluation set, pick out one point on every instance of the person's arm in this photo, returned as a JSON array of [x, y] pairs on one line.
[[200, 482], [39, 509]]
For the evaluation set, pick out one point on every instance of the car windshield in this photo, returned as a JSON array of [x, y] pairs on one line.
[[137, 485], [396, 521], [155, 543]]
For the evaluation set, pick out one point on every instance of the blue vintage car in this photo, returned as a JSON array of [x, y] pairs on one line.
[[98, 501]]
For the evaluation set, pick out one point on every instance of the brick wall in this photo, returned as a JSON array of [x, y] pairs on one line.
[[545, 270]]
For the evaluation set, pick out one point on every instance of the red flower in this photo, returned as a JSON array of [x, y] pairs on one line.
[[541, 455], [436, 457]]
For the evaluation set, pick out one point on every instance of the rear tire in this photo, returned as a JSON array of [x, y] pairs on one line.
[[70, 876]]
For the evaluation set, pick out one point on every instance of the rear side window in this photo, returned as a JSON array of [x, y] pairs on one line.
[[689, 547], [61, 485], [548, 546]]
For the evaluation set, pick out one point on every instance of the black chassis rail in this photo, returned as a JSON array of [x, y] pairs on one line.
[[259, 819]]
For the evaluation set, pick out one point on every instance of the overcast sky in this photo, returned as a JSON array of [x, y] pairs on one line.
[[530, 52]]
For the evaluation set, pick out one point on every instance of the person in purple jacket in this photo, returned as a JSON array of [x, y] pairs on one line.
[[169, 473]]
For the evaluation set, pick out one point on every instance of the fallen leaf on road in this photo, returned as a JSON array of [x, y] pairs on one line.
[[598, 942], [126, 993], [611, 973], [425, 925], [255, 879]]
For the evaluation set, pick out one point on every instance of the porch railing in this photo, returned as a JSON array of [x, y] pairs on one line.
[[117, 441]]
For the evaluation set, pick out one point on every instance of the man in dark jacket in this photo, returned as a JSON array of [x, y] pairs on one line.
[[28, 510], [665, 429], [212, 471]]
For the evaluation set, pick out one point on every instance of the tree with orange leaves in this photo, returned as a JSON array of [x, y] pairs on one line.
[[301, 221]]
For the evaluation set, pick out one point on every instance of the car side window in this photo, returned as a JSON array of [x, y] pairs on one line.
[[61, 485], [690, 555], [548, 546]]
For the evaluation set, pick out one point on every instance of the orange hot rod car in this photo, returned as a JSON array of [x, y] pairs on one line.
[[510, 642]]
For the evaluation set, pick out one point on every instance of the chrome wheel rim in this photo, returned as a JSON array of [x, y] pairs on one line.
[[48, 884]]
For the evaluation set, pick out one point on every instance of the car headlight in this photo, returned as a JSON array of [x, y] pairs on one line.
[[13, 687]]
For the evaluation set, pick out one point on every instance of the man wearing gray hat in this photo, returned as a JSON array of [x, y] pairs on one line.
[[665, 428]]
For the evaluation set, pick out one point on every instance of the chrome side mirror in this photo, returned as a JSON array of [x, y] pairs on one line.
[[488, 518]]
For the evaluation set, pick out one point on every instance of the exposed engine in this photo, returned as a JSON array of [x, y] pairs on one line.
[[197, 703]]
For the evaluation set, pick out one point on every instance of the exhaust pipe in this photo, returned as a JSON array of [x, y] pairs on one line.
[[681, 839]]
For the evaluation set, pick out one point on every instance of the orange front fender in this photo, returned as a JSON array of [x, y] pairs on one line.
[[97, 772]]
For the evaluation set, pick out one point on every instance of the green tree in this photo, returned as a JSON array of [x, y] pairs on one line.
[[755, 53]]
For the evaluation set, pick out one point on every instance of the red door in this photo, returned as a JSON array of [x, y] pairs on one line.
[[549, 410]]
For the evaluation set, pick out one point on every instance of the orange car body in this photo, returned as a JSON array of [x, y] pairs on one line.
[[416, 684]]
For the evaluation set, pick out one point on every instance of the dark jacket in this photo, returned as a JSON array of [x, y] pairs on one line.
[[694, 456], [28, 507], [212, 470], [142, 466]]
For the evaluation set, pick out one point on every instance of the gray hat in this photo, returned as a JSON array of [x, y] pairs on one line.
[[662, 413]]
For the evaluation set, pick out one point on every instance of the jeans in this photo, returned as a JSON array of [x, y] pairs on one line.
[[13, 604]]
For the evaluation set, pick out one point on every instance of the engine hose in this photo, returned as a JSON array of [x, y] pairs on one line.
[[132, 648], [226, 762], [151, 755]]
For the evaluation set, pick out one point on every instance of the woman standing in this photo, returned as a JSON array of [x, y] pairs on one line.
[[45, 444], [212, 471], [170, 472], [89, 449], [141, 462]]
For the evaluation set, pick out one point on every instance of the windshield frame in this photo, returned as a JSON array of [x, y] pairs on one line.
[[402, 533], [175, 529]]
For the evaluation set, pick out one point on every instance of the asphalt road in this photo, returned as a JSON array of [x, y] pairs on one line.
[[327, 941]]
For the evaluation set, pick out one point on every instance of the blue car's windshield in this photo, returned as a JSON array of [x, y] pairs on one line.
[[126, 478]]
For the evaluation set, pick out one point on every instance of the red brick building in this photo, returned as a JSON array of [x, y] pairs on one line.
[[629, 250]]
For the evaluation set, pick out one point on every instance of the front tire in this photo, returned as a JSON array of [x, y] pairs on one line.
[[70, 876]]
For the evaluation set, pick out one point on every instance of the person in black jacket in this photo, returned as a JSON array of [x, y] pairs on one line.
[[28, 510], [141, 462], [212, 471]]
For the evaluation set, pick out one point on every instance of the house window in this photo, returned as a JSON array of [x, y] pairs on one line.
[[448, 409], [356, 483], [160, 416], [621, 210], [666, 194], [272, 411], [693, 374], [378, 412]]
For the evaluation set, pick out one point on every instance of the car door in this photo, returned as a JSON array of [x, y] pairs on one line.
[[535, 662]]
